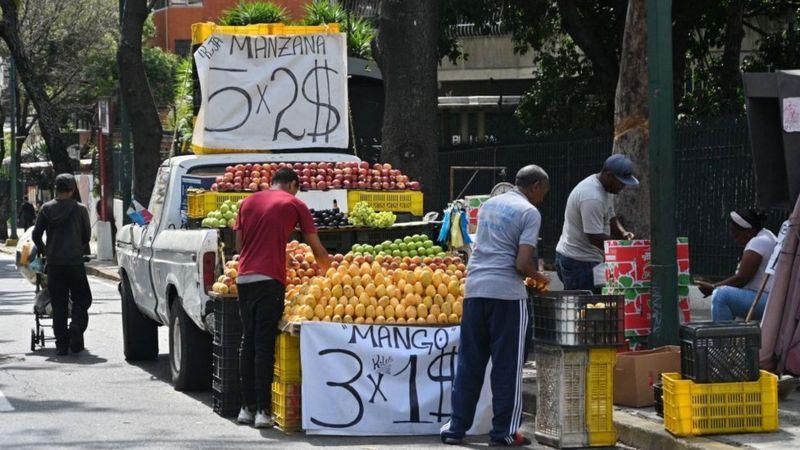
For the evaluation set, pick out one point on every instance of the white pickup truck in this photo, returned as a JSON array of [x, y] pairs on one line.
[[166, 270]]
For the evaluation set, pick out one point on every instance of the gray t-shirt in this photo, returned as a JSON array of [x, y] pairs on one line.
[[589, 210], [504, 223]]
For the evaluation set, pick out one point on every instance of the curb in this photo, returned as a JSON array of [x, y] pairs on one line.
[[642, 433], [94, 271]]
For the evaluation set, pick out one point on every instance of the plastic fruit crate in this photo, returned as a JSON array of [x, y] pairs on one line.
[[658, 392], [200, 203], [578, 319], [692, 409], [287, 358], [226, 404], [286, 405], [600, 397], [227, 323], [561, 402], [395, 201], [720, 352]]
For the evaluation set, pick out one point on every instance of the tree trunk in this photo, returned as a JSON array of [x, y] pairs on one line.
[[631, 120], [33, 82], [145, 124], [730, 78], [5, 186], [406, 51]]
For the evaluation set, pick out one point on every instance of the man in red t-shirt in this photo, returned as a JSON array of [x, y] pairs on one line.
[[265, 221]]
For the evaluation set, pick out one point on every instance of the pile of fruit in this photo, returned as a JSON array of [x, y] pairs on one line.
[[363, 215], [329, 218], [316, 175], [245, 177], [409, 246], [226, 283], [300, 263], [394, 290], [224, 216]]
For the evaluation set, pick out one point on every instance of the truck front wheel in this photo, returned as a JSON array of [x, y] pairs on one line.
[[139, 333], [189, 351]]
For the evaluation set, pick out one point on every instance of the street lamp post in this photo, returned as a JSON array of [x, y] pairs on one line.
[[125, 160], [664, 295]]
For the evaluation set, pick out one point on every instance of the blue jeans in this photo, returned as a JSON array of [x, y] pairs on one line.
[[576, 275], [728, 303]]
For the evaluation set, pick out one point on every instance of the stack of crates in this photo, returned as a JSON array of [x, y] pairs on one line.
[[286, 383], [226, 394], [576, 335], [720, 388]]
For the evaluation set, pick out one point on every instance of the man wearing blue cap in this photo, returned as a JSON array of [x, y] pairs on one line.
[[590, 220]]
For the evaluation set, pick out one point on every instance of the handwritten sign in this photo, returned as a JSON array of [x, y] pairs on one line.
[[375, 380], [272, 92], [791, 114]]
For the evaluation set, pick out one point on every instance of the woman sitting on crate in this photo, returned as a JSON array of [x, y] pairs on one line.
[[733, 296]]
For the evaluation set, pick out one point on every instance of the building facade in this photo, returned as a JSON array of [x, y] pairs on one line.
[[173, 19]]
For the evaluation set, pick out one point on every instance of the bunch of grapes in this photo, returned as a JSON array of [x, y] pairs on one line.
[[362, 215]]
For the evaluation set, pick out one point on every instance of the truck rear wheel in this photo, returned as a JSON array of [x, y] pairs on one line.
[[139, 333], [189, 351]]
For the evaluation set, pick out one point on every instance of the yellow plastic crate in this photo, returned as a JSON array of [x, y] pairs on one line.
[[286, 405], [201, 31], [287, 358], [600, 397], [200, 203], [692, 409], [395, 201]]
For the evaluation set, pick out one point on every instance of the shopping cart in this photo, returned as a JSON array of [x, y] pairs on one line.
[[42, 314]]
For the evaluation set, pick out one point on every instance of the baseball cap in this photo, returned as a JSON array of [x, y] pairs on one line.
[[65, 182], [622, 168]]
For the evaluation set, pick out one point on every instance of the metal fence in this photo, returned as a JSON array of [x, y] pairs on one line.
[[714, 169]]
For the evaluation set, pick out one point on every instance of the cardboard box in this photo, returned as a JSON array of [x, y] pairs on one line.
[[636, 372]]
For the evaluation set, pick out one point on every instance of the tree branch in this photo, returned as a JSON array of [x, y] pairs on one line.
[[605, 64]]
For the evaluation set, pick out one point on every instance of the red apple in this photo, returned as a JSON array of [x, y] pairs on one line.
[[336, 184], [346, 184], [256, 167], [385, 185], [248, 166], [401, 185], [237, 186], [387, 166], [246, 181], [364, 165], [376, 185], [227, 177], [322, 185], [377, 166], [230, 169], [215, 187], [218, 180], [298, 166], [313, 165], [392, 185], [239, 167], [252, 187], [237, 180], [263, 186], [414, 185]]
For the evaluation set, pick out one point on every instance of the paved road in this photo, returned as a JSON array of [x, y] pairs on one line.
[[97, 400]]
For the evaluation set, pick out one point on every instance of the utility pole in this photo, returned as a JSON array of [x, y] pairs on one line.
[[12, 86], [125, 160], [664, 294]]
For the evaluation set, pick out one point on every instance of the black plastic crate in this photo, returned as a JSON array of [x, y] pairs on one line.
[[225, 367], [720, 352], [226, 404], [227, 323], [225, 385], [658, 395], [578, 319]]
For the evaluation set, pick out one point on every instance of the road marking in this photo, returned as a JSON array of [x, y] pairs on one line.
[[5, 405]]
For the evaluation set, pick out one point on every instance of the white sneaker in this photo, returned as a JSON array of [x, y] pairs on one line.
[[245, 416], [264, 420]]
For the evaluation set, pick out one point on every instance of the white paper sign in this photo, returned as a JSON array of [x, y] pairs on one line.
[[791, 114], [776, 252], [272, 92], [373, 380]]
